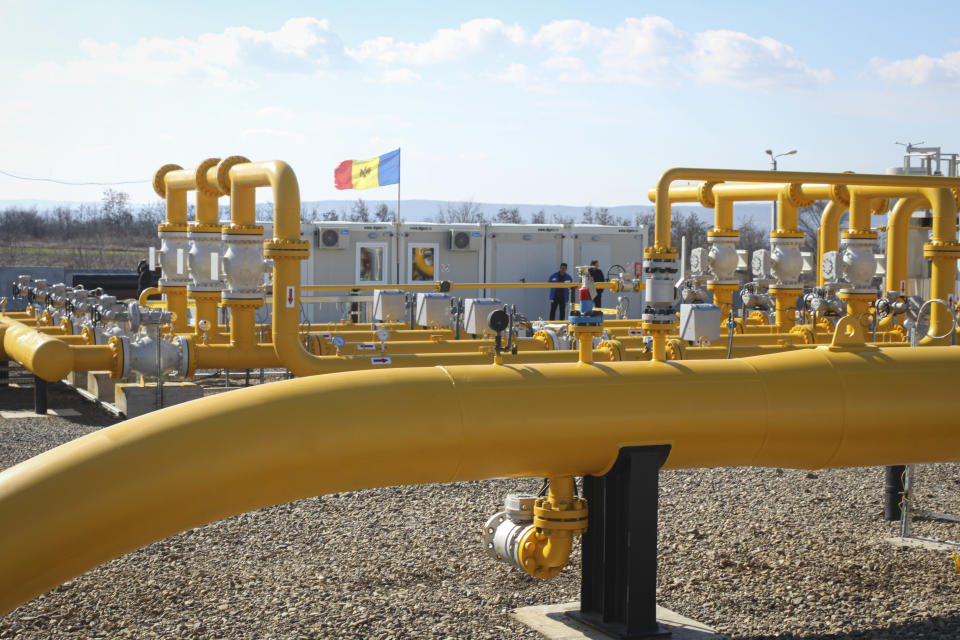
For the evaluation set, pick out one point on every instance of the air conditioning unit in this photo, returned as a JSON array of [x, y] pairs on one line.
[[333, 238], [464, 240]]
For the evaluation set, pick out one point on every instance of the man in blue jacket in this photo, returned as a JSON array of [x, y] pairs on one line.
[[558, 297]]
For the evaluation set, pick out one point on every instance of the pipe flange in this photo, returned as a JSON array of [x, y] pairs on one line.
[[550, 517], [203, 185], [660, 253], [117, 349], [242, 230], [286, 248], [795, 196], [840, 193], [806, 334], [223, 171], [159, 184], [705, 194], [941, 250]]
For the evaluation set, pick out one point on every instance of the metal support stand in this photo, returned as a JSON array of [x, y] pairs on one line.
[[39, 396], [4, 373], [618, 592], [893, 492]]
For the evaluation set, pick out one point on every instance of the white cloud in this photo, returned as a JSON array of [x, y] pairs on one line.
[[301, 45], [652, 50], [472, 37], [922, 70], [399, 76], [736, 59]]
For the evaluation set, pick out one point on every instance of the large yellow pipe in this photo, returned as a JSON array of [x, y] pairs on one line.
[[898, 228], [122, 487], [51, 358]]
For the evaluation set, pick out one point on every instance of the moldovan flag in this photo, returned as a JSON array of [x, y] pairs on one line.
[[365, 174]]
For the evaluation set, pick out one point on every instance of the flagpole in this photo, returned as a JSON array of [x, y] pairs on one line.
[[397, 215]]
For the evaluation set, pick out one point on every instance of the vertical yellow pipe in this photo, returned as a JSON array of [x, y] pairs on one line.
[[943, 250]]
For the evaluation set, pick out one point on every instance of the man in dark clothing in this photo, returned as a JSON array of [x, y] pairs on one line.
[[558, 297], [144, 277], [598, 276]]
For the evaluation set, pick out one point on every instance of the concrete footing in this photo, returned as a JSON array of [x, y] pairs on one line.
[[136, 400], [100, 384], [553, 622]]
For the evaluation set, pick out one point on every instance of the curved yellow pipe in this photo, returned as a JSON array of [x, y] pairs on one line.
[[146, 293], [828, 235], [124, 486], [898, 229]]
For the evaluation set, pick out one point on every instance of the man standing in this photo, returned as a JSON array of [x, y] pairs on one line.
[[598, 276], [558, 297]]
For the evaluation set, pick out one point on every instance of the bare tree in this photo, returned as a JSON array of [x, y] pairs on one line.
[[383, 213], [467, 211], [508, 216], [540, 217], [360, 212], [809, 222], [752, 237], [559, 218], [330, 216], [603, 216], [587, 216]]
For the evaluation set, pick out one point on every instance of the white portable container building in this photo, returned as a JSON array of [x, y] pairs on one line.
[[618, 249], [523, 253], [347, 253], [431, 252]]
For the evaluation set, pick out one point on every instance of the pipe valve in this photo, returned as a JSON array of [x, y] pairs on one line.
[[536, 533]]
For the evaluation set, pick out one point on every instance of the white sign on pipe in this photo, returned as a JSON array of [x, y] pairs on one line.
[[291, 297], [152, 258], [179, 262], [214, 266]]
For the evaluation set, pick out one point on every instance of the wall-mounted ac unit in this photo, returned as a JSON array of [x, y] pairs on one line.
[[461, 240], [333, 238]]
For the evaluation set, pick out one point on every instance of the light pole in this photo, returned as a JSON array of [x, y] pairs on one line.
[[773, 167]]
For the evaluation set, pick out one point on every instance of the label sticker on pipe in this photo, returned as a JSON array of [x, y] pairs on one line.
[[326, 336], [152, 258], [903, 288], [179, 262], [634, 332], [291, 296], [214, 266], [380, 360], [366, 345]]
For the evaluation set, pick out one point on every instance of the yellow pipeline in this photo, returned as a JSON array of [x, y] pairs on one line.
[[51, 358], [898, 227], [127, 485]]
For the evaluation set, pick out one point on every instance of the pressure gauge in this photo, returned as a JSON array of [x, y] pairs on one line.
[[204, 325], [383, 334], [339, 341]]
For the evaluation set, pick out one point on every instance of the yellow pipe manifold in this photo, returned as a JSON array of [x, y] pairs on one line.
[[117, 489]]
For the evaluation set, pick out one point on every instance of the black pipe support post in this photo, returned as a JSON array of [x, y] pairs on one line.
[[893, 492], [39, 396], [4, 373], [618, 593]]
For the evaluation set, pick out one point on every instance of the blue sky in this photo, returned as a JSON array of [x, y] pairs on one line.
[[554, 103]]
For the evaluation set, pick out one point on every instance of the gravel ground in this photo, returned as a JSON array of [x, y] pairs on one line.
[[756, 553]]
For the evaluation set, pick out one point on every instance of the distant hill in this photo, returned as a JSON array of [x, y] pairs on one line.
[[427, 210]]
